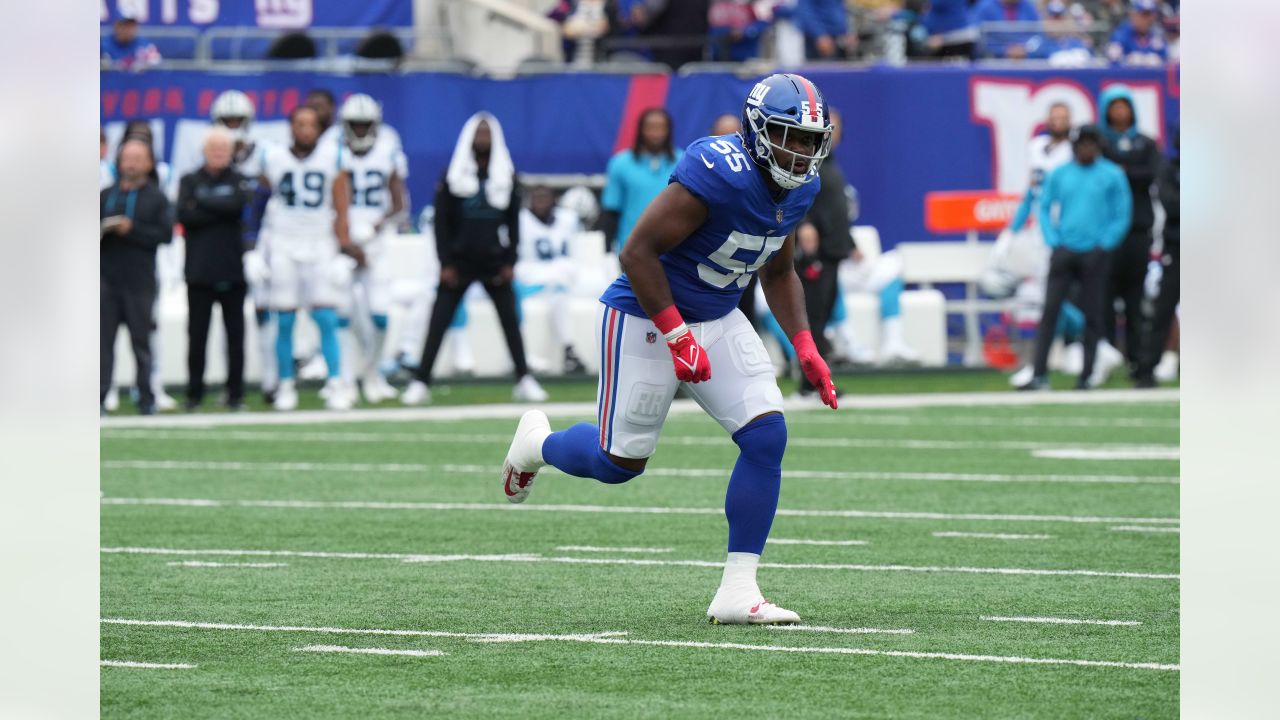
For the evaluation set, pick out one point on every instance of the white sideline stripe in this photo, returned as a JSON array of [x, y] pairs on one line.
[[594, 548], [145, 665], [1058, 621], [705, 440], [367, 650], [800, 541], [534, 558], [1149, 452], [205, 564], [982, 421], [842, 631], [620, 509], [991, 536], [1139, 528], [477, 637], [309, 467], [454, 413], [890, 653]]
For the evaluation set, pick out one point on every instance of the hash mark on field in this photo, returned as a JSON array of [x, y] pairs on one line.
[[475, 637], [206, 564], [991, 536], [844, 631], [801, 541], [145, 665], [532, 558], [367, 650], [1139, 528], [1135, 452], [593, 548], [1058, 621], [625, 509]]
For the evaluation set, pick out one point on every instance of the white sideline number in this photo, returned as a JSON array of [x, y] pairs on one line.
[[739, 270], [737, 161]]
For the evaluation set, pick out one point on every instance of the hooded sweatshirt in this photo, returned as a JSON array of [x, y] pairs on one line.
[[477, 215], [1093, 207], [1135, 153]]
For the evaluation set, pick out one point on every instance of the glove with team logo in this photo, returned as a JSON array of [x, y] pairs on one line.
[[814, 367], [691, 362]]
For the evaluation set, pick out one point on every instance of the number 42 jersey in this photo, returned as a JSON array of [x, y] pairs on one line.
[[745, 228]]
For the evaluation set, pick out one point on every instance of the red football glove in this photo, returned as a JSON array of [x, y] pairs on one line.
[[690, 359], [814, 367]]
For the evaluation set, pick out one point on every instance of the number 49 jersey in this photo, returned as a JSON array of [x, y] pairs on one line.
[[745, 228], [300, 212]]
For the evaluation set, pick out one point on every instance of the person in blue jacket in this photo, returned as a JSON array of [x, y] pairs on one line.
[[827, 32], [997, 42], [951, 29], [1138, 41], [1093, 210]]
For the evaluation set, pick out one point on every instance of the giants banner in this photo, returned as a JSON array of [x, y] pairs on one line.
[[908, 132]]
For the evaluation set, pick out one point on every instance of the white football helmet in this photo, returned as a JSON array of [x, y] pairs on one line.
[[360, 109], [230, 106]]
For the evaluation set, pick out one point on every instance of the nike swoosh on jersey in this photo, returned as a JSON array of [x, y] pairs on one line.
[[708, 163]]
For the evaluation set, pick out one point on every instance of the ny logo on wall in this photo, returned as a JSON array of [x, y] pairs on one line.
[[284, 13]]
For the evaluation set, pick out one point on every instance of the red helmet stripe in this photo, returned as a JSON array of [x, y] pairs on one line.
[[813, 100]]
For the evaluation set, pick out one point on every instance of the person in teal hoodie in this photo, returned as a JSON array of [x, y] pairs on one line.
[[1085, 211]]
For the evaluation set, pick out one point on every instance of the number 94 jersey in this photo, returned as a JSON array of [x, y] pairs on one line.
[[300, 212], [745, 227]]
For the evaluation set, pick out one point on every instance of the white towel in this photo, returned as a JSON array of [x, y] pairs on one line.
[[463, 178]]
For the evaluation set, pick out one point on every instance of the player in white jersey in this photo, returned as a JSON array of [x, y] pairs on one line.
[[543, 265], [376, 168], [309, 252]]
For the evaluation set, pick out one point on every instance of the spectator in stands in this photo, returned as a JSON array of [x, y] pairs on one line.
[[582, 22], [735, 30], [1139, 157], [477, 233], [636, 176], [1138, 40], [1172, 24], [907, 22], [828, 34], [136, 218], [952, 32], [1084, 212], [211, 201], [1169, 292], [726, 124], [106, 168], [124, 49], [1108, 13], [1061, 42], [628, 19], [682, 27], [998, 41]]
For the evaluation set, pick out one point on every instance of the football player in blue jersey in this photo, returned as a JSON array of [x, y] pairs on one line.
[[729, 212]]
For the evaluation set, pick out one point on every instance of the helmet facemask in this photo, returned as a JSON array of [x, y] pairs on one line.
[[769, 150], [359, 143]]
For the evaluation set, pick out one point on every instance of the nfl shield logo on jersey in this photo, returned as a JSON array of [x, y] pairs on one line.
[[779, 215], [651, 337]]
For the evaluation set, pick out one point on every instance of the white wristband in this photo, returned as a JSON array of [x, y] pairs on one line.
[[675, 334]]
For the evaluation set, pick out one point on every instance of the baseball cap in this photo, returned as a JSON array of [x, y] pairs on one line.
[[1143, 5], [1086, 132]]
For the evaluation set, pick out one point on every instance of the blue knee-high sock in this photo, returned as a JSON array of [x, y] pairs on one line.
[[891, 299], [327, 320], [576, 451], [752, 498], [284, 342]]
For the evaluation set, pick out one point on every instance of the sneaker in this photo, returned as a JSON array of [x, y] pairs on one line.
[[524, 457], [165, 402], [1035, 384], [111, 402], [286, 396], [528, 390], [1167, 369], [376, 388], [573, 365], [748, 610], [1022, 377], [416, 394], [313, 369], [1107, 360], [339, 396], [1072, 361]]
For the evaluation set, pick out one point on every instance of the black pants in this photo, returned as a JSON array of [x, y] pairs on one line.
[[200, 300], [1128, 271], [447, 299], [819, 302], [1157, 334], [133, 309], [1067, 268]]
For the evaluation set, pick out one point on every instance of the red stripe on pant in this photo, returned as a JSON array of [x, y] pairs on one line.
[[609, 370]]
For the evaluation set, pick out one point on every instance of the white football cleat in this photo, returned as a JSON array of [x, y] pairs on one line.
[[528, 390], [1023, 376], [524, 457], [898, 353], [376, 388], [1166, 370], [1104, 363], [286, 396], [416, 394], [112, 401], [740, 610], [336, 394], [314, 368]]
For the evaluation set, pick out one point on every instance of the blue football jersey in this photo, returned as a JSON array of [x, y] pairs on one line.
[[745, 227]]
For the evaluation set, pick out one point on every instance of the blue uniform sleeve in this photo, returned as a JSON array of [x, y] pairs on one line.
[[1024, 210], [702, 171], [614, 193], [1047, 198], [1120, 202]]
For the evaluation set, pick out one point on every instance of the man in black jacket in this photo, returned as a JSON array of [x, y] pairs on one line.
[[136, 218], [211, 202], [1169, 184], [1139, 157]]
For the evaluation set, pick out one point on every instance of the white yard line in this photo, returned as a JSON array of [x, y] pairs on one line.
[[1011, 421], [842, 631], [454, 413], [478, 637], [598, 549], [535, 558], [1149, 452], [1124, 449], [367, 650], [614, 509], [205, 564], [801, 541], [145, 665], [1139, 528], [1057, 621], [613, 638], [990, 536], [720, 473]]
